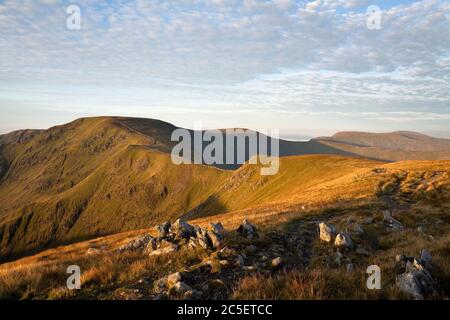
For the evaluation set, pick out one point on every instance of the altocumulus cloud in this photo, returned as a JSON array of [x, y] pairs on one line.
[[305, 59]]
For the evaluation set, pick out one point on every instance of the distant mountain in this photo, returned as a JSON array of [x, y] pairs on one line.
[[395, 146], [103, 175]]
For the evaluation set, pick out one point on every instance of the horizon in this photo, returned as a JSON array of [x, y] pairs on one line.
[[255, 64], [283, 135]]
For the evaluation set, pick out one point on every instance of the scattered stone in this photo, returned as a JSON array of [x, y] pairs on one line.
[[247, 230], [362, 251], [163, 229], [327, 232], [173, 279], [338, 258], [139, 243], [251, 249], [193, 295], [390, 221], [350, 268], [224, 263], [249, 268], [218, 228], [417, 280], [92, 251], [425, 256], [343, 240], [182, 229], [276, 263], [356, 228], [240, 261], [202, 238], [179, 289], [160, 285], [216, 284], [162, 251], [368, 220]]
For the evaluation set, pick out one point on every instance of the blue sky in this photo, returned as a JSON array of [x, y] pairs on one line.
[[307, 68]]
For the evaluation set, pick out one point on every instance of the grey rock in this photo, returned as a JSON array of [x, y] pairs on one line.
[[362, 251], [179, 288], [163, 229], [326, 232], [247, 230], [277, 263], [350, 268], [343, 240], [183, 229]]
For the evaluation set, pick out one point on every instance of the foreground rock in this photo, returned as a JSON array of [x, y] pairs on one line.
[[416, 280], [326, 232], [247, 230], [390, 221], [140, 243], [343, 240]]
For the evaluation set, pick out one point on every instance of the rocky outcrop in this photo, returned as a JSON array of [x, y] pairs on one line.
[[343, 240], [247, 230], [390, 222], [326, 232], [416, 280]]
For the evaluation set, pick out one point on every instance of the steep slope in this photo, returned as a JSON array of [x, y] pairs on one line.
[[98, 176], [91, 177]]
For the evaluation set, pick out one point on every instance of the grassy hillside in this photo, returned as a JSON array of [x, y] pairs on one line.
[[338, 190], [99, 176]]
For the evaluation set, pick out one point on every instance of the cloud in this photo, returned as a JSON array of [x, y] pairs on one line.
[[277, 55]]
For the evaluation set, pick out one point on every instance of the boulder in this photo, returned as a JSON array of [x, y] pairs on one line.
[[343, 240], [416, 281], [173, 279], [202, 238], [276, 263], [163, 229], [326, 232], [92, 251], [356, 229], [179, 289], [138, 243], [162, 251], [160, 285], [390, 221], [217, 235], [218, 228], [193, 295], [425, 256], [247, 230], [183, 229], [362, 251], [350, 268]]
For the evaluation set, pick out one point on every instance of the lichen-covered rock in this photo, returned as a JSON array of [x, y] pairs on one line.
[[416, 281], [179, 289], [343, 240], [163, 229], [183, 229], [326, 232], [137, 244], [390, 221], [247, 230]]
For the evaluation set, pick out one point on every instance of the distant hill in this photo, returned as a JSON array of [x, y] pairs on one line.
[[395, 146], [103, 175]]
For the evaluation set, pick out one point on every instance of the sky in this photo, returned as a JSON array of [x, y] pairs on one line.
[[308, 68]]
